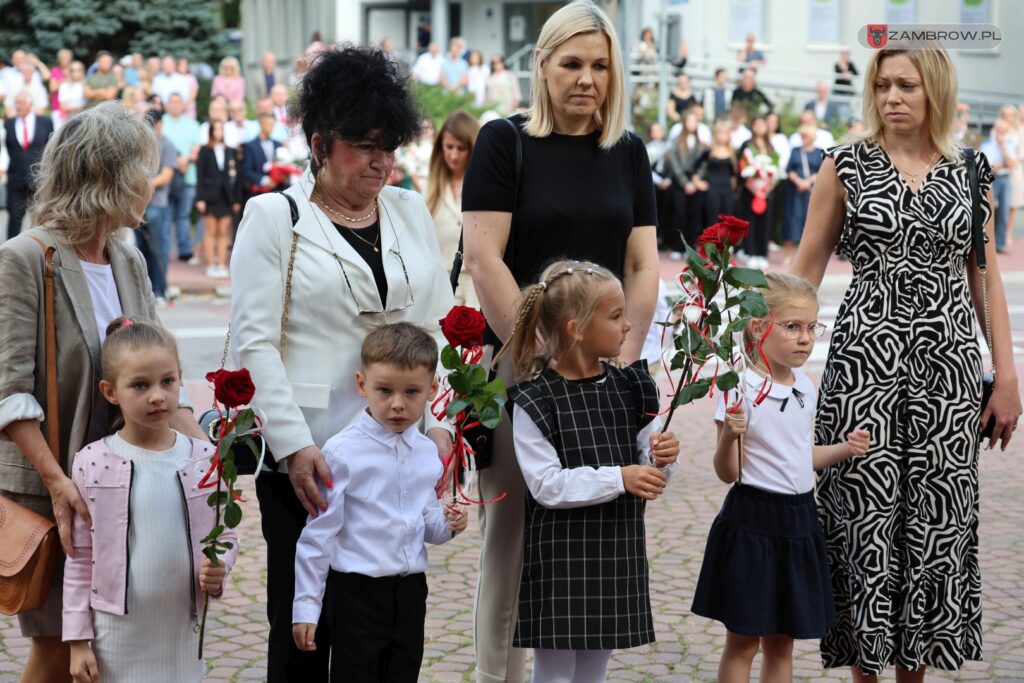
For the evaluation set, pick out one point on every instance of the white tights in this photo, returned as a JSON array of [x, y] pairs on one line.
[[570, 666]]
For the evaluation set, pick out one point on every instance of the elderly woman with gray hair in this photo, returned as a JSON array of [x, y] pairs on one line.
[[93, 179]]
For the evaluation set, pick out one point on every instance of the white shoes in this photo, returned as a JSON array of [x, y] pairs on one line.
[[195, 261], [217, 273], [759, 262]]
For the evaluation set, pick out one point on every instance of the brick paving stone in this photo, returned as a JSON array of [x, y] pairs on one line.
[[677, 525]]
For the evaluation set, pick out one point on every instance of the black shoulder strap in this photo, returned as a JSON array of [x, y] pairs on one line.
[[292, 207], [457, 261], [977, 217]]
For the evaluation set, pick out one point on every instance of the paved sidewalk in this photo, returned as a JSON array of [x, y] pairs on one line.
[[677, 525]]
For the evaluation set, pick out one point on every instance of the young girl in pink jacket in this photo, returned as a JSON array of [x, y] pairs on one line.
[[131, 607]]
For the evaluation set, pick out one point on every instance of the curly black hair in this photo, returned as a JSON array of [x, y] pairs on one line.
[[350, 91]]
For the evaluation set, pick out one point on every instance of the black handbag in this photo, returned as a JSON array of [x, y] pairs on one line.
[[245, 460], [988, 379], [480, 438]]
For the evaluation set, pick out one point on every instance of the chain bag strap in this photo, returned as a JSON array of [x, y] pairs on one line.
[[210, 420], [979, 239]]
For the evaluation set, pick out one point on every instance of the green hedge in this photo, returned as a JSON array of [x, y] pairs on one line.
[[437, 103]]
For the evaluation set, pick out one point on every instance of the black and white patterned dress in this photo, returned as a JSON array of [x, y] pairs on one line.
[[585, 581], [902, 522]]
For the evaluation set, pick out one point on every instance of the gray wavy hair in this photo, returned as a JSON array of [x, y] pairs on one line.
[[94, 173]]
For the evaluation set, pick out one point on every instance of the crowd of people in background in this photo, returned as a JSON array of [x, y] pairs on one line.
[[725, 150], [211, 161]]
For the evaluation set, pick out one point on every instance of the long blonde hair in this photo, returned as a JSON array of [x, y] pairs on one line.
[[579, 16], [567, 290], [464, 128], [938, 77]]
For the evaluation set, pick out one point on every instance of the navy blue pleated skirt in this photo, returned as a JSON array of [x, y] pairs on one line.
[[765, 570]]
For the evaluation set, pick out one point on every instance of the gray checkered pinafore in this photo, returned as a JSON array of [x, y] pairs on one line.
[[584, 583]]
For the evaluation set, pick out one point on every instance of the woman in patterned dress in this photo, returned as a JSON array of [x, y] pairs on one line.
[[902, 522]]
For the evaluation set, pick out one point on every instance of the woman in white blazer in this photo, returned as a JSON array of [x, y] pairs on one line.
[[362, 254]]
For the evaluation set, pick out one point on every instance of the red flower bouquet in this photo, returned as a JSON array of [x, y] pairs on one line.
[[471, 402]]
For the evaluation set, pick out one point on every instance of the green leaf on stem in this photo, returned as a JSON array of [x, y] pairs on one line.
[[229, 469], [696, 263], [226, 442], [728, 381], [217, 497], [753, 304], [477, 375], [693, 391], [495, 386], [460, 383], [687, 340], [745, 277], [214, 533], [456, 407], [490, 416], [244, 421], [450, 358], [737, 324], [232, 514], [714, 315], [211, 553]]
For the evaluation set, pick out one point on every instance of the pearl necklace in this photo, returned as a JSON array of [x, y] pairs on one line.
[[318, 198]]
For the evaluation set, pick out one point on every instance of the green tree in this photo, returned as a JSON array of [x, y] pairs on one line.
[[188, 28]]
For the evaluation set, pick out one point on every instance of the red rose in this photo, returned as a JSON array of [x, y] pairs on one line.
[[464, 326], [711, 235], [733, 230], [233, 388]]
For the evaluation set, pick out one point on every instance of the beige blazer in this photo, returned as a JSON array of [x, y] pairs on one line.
[[448, 223], [84, 413], [311, 396]]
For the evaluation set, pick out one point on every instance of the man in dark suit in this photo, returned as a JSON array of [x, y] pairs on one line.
[[26, 137], [824, 107], [256, 153]]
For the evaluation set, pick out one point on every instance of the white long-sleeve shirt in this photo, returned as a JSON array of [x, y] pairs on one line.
[[557, 487], [380, 511]]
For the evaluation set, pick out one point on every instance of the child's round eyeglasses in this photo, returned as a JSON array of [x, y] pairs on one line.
[[792, 330]]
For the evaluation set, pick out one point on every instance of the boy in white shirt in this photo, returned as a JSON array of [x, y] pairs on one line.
[[368, 547]]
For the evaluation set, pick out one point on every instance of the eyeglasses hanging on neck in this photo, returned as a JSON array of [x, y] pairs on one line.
[[374, 308]]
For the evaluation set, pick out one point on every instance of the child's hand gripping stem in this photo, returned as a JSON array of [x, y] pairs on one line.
[[457, 518], [664, 449], [643, 481]]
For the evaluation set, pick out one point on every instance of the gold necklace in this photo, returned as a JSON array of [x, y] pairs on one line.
[[912, 177], [352, 231], [318, 198]]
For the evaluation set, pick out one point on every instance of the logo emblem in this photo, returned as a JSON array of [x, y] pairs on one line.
[[877, 35]]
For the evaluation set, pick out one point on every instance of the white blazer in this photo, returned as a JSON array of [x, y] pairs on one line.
[[311, 395]]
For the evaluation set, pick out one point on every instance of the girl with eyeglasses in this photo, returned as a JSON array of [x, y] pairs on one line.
[[765, 573]]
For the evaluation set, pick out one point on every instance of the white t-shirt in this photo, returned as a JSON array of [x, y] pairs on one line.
[[427, 68], [780, 434], [106, 305], [823, 139]]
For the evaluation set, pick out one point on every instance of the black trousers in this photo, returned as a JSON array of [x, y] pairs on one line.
[[720, 198], [688, 209], [17, 199], [376, 627], [283, 518], [756, 243]]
